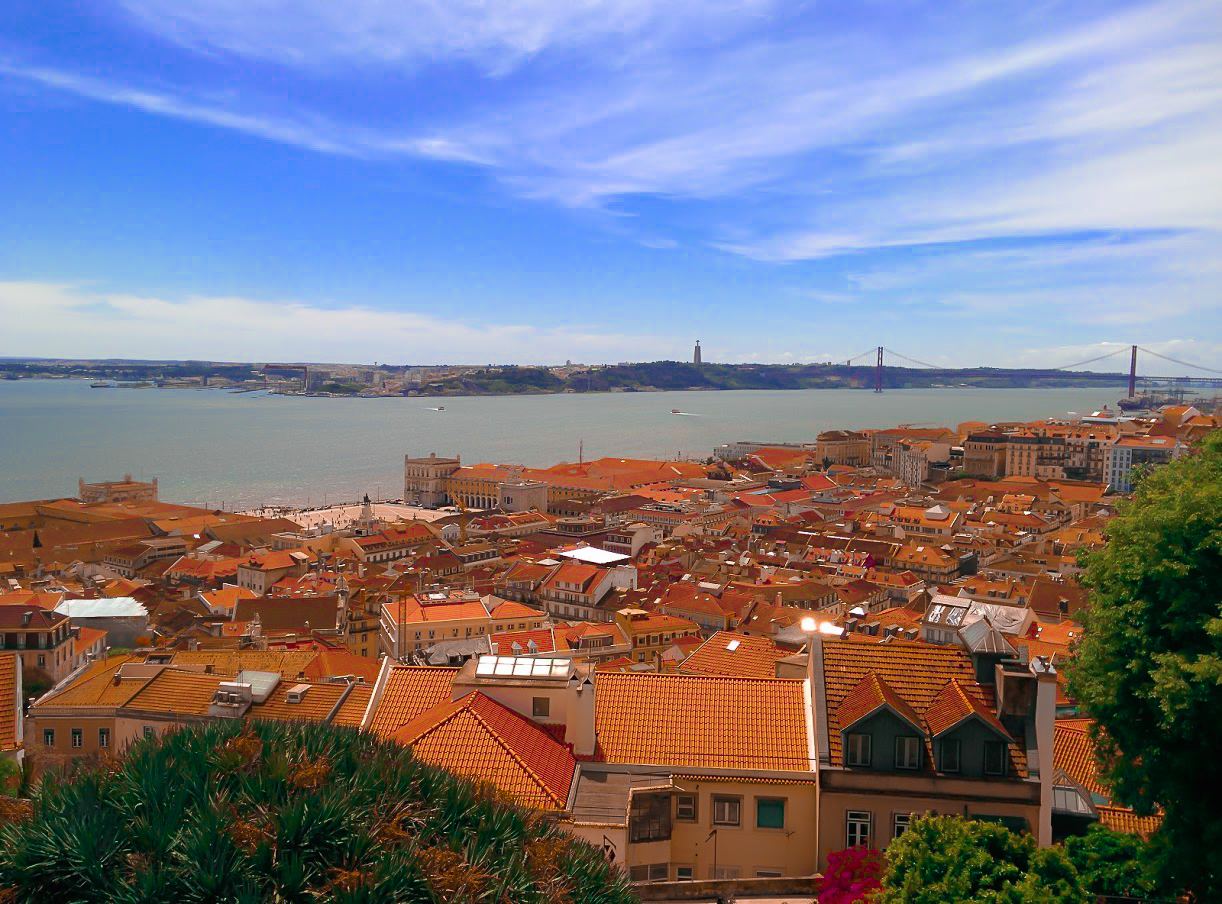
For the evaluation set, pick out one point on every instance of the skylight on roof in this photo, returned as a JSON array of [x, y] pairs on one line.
[[732, 645], [521, 667]]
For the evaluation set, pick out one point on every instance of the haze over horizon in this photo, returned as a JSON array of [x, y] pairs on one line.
[[607, 180]]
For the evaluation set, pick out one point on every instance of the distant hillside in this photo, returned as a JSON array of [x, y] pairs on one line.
[[680, 375]]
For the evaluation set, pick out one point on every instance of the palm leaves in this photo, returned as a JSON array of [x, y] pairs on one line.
[[285, 812]]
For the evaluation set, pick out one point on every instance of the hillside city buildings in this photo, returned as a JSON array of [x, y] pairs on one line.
[[721, 670]]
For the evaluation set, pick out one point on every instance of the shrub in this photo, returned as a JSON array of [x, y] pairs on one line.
[[283, 812], [945, 858], [852, 876]]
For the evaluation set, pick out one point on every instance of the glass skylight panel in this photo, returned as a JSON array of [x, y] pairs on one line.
[[486, 666], [504, 666]]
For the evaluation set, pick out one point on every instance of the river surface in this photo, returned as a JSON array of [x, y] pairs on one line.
[[213, 447]]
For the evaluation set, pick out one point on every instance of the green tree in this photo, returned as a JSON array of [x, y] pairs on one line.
[[946, 858], [1149, 666], [283, 812], [1116, 863]]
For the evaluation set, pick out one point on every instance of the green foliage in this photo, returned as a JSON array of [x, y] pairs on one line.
[[1149, 666], [946, 858], [1115, 863], [281, 812]]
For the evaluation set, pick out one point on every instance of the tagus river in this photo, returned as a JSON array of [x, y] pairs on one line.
[[214, 447]]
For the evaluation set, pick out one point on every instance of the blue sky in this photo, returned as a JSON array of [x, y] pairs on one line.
[[604, 180]]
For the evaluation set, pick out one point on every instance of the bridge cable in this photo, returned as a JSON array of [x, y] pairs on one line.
[[913, 360], [1092, 360], [869, 351], [1179, 362]]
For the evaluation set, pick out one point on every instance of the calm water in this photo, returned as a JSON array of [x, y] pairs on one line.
[[213, 447]]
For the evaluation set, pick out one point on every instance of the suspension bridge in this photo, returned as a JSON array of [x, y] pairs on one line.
[[1201, 375]]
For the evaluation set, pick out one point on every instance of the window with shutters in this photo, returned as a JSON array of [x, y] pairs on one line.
[[770, 813]]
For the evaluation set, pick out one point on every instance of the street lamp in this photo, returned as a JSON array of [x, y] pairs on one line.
[[813, 629]]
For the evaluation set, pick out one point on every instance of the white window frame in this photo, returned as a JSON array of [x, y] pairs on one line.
[[900, 823], [722, 805], [858, 828]]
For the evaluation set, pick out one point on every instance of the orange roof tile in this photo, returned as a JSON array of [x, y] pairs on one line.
[[751, 657], [409, 691], [702, 721], [953, 704], [352, 710], [916, 672], [1119, 819], [178, 693], [8, 702], [481, 739], [315, 705], [871, 693], [95, 686]]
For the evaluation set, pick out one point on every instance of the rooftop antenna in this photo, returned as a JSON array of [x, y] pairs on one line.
[[581, 451]]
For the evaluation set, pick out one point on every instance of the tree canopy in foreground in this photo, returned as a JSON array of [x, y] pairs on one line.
[[947, 858], [1149, 666], [272, 811]]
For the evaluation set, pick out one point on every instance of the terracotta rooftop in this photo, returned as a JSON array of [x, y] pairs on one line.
[[953, 704], [916, 672], [9, 664], [726, 653], [177, 692], [409, 691], [315, 704], [481, 739], [352, 710], [871, 693], [698, 721]]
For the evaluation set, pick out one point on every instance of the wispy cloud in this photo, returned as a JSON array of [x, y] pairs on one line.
[[120, 325], [1061, 158]]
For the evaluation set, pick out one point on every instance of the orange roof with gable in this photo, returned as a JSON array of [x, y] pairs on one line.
[[870, 694], [702, 721], [916, 672], [953, 705], [409, 691], [479, 738]]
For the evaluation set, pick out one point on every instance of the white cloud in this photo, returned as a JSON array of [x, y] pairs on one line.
[[496, 35], [118, 325]]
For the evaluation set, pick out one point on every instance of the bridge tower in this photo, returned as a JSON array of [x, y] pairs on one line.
[[878, 372], [1133, 374]]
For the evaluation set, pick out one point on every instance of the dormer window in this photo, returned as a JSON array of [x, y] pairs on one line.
[[907, 752], [948, 754], [994, 758], [857, 750]]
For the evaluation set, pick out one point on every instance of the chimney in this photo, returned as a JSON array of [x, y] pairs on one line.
[[1045, 728], [579, 727]]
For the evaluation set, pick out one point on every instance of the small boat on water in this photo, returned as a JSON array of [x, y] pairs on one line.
[[99, 386], [675, 411]]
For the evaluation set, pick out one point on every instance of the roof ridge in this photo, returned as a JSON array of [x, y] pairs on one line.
[[530, 772]]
